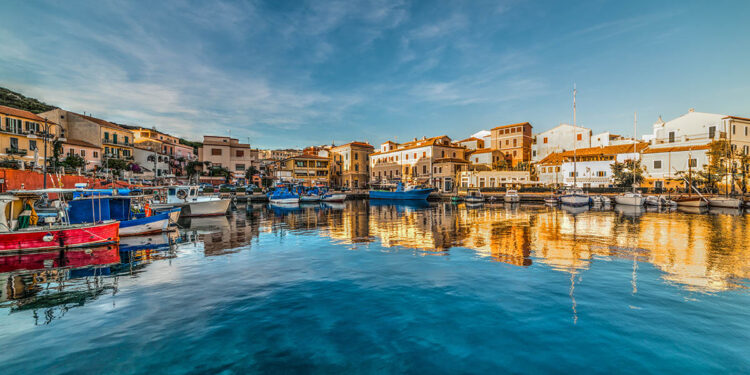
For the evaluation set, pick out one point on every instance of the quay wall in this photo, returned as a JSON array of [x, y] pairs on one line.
[[14, 179]]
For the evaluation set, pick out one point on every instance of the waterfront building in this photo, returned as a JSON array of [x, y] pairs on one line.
[[115, 141], [514, 141], [228, 153], [445, 173], [561, 138], [549, 170], [487, 157], [350, 164], [739, 133], [89, 152], [153, 164], [279, 154], [307, 169], [594, 164], [665, 167], [21, 137], [412, 161], [495, 178], [472, 143]]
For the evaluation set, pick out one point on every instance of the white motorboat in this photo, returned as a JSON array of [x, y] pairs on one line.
[[630, 199], [192, 204], [574, 197], [333, 197], [309, 198], [551, 200], [473, 196], [511, 196], [725, 202]]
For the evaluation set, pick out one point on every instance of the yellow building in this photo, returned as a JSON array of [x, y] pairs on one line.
[[351, 164], [152, 139], [307, 169], [21, 137]]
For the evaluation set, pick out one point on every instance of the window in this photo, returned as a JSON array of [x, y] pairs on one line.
[[657, 164], [216, 151], [14, 143], [239, 167], [126, 140], [545, 139], [424, 169], [114, 137], [13, 125], [415, 155], [356, 156], [356, 167], [573, 174], [671, 137], [744, 148], [693, 163], [711, 132], [83, 153], [601, 173], [32, 145], [300, 163], [442, 153], [454, 155], [515, 142], [734, 129], [579, 137], [239, 153], [96, 154], [424, 154], [507, 142], [745, 131], [406, 157]]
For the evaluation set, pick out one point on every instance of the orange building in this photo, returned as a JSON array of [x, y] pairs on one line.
[[514, 141]]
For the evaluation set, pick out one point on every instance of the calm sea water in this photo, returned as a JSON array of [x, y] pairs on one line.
[[384, 288]]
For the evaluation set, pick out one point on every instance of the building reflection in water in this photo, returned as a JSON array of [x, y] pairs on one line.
[[699, 252]]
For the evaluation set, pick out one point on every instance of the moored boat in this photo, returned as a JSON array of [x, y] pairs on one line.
[[283, 196], [473, 196], [574, 197], [689, 201], [401, 193], [511, 196], [333, 197], [193, 205], [20, 231], [725, 202], [630, 199]]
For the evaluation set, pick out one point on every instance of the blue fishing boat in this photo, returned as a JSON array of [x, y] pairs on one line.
[[283, 196], [401, 193], [98, 207]]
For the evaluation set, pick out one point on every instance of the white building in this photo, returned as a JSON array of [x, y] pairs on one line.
[[559, 139], [692, 128], [472, 143], [480, 179], [413, 161], [663, 164], [592, 166], [152, 163], [485, 156]]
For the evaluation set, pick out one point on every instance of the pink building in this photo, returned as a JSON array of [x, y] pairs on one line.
[[89, 152]]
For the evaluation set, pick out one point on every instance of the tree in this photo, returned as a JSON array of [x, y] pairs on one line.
[[193, 168], [74, 162], [717, 168], [622, 173], [252, 171], [57, 151], [220, 171]]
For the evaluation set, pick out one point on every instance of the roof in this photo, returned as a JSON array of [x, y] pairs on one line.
[[511, 125], [606, 150], [658, 150], [470, 139], [101, 122], [553, 158], [738, 118], [484, 151], [307, 156], [356, 143], [10, 111], [418, 143], [78, 142]]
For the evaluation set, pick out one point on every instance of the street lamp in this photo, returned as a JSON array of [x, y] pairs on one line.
[[45, 136]]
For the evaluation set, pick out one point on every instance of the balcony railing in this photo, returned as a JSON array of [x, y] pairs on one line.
[[15, 151], [108, 141]]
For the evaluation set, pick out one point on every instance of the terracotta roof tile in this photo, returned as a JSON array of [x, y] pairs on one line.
[[658, 150], [78, 142], [511, 125], [606, 150], [10, 111]]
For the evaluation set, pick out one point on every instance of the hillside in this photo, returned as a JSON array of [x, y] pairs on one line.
[[16, 100], [13, 99]]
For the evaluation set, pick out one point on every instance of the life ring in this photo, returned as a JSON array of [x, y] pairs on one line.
[[182, 194]]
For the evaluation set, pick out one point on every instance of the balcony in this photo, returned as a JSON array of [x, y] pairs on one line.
[[15, 151], [108, 141]]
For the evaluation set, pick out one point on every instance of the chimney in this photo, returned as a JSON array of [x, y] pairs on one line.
[[415, 139], [691, 110]]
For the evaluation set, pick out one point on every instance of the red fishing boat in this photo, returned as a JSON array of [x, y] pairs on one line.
[[20, 229]]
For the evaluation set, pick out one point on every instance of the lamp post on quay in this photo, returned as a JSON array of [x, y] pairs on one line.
[[45, 137]]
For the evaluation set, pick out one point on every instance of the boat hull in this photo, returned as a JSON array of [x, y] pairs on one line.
[[148, 225], [512, 199], [285, 201], [691, 202], [473, 199], [206, 208], [309, 198], [725, 202], [45, 238], [575, 200], [416, 194], [339, 197], [630, 200]]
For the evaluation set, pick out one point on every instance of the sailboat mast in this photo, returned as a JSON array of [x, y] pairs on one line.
[[575, 139], [635, 144]]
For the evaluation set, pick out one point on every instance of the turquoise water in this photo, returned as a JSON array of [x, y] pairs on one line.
[[392, 289]]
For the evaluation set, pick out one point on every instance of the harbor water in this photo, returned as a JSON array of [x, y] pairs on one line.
[[378, 287]]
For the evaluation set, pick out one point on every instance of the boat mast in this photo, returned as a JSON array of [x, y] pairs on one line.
[[690, 175], [729, 161], [635, 149], [575, 139]]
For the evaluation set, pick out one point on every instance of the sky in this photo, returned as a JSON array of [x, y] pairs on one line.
[[297, 73]]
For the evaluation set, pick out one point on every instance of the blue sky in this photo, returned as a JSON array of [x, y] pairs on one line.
[[292, 74]]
